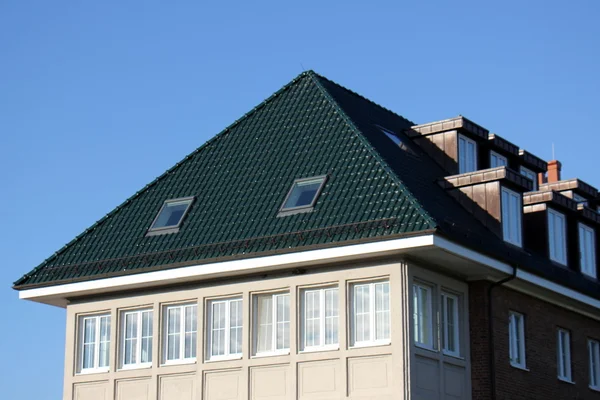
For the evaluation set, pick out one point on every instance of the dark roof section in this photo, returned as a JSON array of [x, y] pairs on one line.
[[310, 127], [239, 179]]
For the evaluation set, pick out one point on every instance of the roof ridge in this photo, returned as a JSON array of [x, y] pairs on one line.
[[414, 201], [361, 96], [163, 175]]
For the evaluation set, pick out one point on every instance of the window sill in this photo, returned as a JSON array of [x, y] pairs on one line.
[[371, 344], [135, 366], [93, 371], [321, 348], [224, 358], [595, 388], [453, 355], [518, 366], [566, 380], [179, 362], [427, 348], [272, 354]]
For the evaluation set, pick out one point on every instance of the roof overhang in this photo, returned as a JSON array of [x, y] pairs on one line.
[[432, 249]]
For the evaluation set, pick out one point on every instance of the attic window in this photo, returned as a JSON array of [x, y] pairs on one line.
[[302, 196], [170, 216], [396, 139]]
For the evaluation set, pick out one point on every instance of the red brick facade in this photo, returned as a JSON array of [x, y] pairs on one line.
[[542, 320]]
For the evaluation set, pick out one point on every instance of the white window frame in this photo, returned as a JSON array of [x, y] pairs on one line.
[[464, 163], [274, 322], [98, 319], [417, 317], [587, 251], [372, 340], [516, 336], [209, 329], [138, 349], [594, 363], [181, 359], [563, 355], [322, 291], [511, 217], [501, 161], [456, 326], [557, 238], [527, 173]]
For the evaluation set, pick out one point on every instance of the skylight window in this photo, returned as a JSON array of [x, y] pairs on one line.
[[397, 140], [170, 216], [302, 196]]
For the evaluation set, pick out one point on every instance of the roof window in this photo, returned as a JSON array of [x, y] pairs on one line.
[[302, 196], [170, 216]]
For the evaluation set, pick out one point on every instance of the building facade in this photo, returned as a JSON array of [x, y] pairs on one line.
[[323, 247]]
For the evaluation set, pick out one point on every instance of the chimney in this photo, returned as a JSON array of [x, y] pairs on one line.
[[554, 167]]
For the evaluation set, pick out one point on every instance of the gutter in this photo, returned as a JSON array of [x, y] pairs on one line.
[[491, 330]]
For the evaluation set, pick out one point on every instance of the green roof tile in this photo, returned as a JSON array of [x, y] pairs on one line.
[[239, 179]]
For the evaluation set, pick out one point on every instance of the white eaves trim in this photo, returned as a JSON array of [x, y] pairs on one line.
[[56, 294], [508, 269]]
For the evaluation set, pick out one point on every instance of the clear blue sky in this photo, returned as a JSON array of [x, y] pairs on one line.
[[99, 97]]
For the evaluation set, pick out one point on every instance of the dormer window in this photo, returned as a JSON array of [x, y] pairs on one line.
[[580, 199], [587, 250], [302, 196], [496, 160], [527, 173], [467, 155], [557, 238], [170, 216], [511, 217]]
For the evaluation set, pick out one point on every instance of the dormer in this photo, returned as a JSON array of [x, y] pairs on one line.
[[453, 143], [493, 196]]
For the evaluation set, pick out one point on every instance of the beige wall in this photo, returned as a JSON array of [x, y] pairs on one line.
[[377, 372]]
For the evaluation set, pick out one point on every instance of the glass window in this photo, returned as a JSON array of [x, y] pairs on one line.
[[527, 173], [467, 155], [594, 355], [272, 323], [564, 355], [496, 160], [303, 194], [171, 214], [516, 336], [225, 328], [587, 250], [450, 325], [580, 199], [320, 318], [94, 343], [181, 326], [423, 315], [370, 313], [511, 217], [557, 237], [136, 338]]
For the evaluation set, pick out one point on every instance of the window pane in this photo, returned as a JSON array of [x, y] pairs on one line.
[[173, 333], [265, 324], [382, 310], [171, 214], [174, 320], [104, 341], [218, 328], [190, 331], [312, 318], [303, 193], [283, 321], [362, 314], [331, 316], [422, 315], [235, 335]]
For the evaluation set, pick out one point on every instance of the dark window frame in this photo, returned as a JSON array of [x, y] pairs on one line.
[[283, 211], [171, 228]]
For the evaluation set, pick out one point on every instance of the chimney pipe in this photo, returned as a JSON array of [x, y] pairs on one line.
[[554, 167]]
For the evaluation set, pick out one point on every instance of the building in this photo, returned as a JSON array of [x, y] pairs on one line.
[[323, 247]]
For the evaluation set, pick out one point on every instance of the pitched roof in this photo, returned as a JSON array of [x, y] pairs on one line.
[[239, 179], [310, 127]]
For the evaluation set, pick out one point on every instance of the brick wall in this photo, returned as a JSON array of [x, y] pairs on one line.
[[541, 322]]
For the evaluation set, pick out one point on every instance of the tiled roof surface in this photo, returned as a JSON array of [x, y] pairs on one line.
[[239, 179], [311, 127]]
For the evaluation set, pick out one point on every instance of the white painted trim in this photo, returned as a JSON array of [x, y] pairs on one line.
[[226, 268]]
